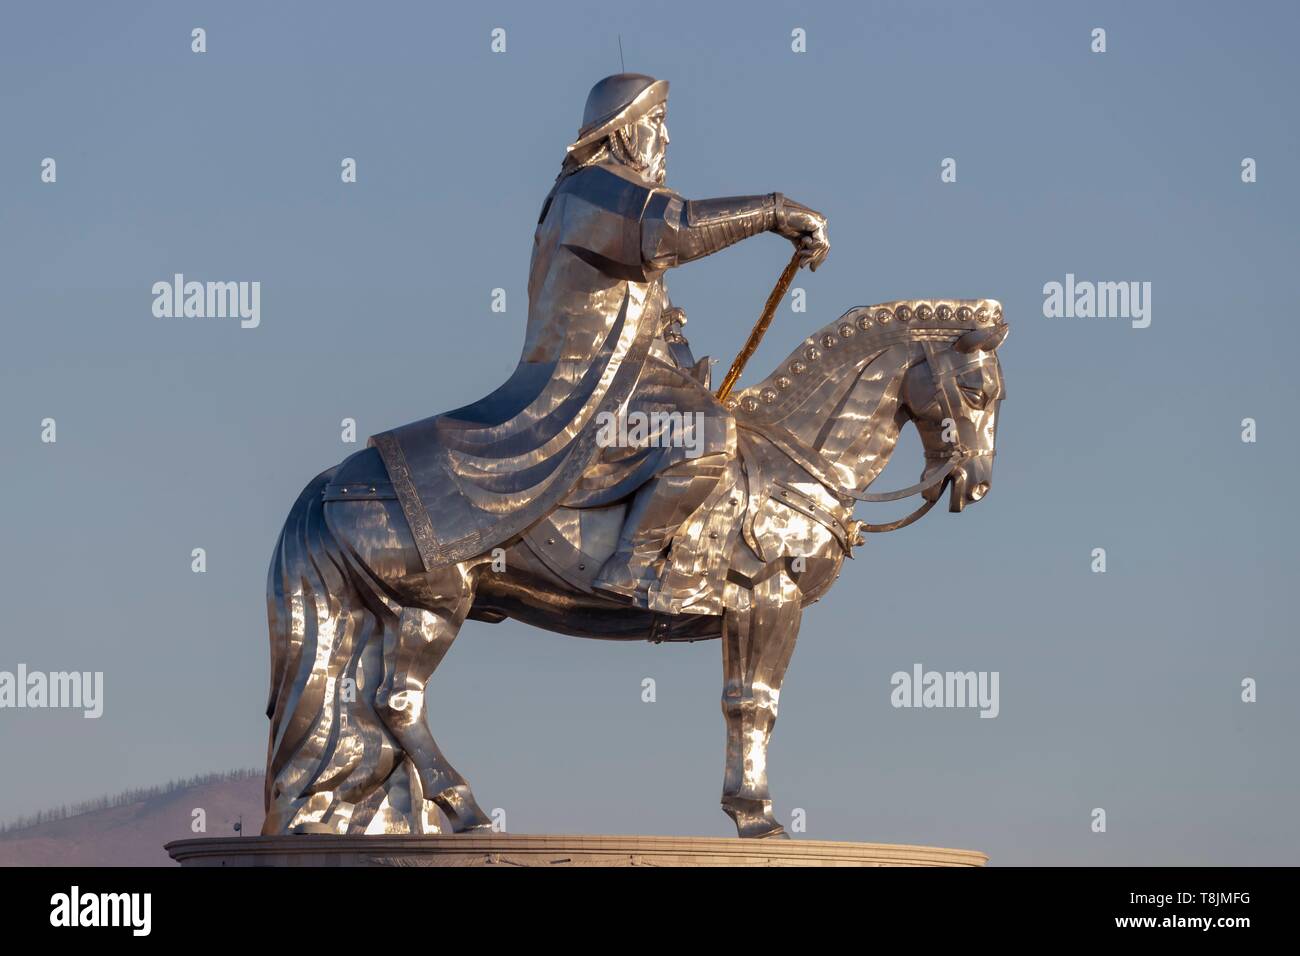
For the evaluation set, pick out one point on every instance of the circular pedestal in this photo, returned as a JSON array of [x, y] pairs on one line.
[[508, 849]]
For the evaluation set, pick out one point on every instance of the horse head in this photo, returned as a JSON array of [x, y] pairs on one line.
[[952, 398], [839, 402]]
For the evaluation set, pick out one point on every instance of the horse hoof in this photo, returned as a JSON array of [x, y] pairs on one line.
[[753, 818], [462, 810]]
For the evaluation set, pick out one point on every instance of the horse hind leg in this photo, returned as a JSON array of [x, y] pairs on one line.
[[328, 753], [756, 647], [420, 614], [412, 651]]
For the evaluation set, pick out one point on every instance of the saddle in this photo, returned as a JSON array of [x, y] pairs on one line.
[[575, 542], [755, 503]]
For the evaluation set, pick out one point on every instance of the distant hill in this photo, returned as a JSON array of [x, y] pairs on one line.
[[129, 829]]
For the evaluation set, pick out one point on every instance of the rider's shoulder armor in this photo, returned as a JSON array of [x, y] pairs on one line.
[[612, 220]]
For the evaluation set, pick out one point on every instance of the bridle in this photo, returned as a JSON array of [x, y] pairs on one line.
[[945, 385]]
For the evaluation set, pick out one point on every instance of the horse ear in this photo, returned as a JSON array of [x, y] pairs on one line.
[[982, 340]]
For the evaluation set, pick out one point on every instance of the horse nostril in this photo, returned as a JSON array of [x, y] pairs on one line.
[[979, 491]]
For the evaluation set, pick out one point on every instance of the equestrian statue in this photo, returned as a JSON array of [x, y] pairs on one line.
[[605, 491]]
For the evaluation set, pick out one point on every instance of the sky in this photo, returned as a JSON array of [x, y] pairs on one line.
[[1119, 690]]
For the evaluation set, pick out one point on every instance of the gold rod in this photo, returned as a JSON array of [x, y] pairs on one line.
[[760, 327]]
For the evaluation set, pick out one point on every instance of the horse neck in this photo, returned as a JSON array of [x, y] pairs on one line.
[[855, 427]]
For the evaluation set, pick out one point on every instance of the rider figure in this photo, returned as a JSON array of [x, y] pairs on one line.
[[602, 342], [624, 133]]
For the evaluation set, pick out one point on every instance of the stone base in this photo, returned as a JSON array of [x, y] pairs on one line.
[[508, 849]]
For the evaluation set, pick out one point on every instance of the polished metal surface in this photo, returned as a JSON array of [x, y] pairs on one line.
[[521, 505]]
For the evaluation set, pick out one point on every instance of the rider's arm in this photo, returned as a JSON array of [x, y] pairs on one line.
[[676, 230]]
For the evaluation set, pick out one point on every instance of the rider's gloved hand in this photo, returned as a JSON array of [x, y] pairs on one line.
[[806, 228]]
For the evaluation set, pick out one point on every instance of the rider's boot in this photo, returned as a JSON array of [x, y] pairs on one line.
[[658, 510]]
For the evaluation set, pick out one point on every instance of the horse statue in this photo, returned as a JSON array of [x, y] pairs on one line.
[[358, 623]]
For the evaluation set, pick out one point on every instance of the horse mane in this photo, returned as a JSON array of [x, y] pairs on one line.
[[837, 351]]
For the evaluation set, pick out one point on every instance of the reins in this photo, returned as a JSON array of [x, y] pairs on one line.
[[902, 522], [938, 478]]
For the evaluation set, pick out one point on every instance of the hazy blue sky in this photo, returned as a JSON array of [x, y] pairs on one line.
[[1118, 690]]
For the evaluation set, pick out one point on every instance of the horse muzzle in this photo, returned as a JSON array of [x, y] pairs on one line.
[[970, 482]]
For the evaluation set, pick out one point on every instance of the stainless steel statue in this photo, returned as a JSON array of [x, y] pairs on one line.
[[603, 491]]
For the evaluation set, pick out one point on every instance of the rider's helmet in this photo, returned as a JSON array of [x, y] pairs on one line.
[[615, 102]]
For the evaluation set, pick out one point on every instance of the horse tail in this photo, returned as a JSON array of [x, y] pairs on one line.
[[331, 765]]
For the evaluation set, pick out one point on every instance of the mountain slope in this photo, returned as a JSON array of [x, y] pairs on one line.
[[132, 833]]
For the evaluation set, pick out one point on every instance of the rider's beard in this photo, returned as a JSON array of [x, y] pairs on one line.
[[658, 171]]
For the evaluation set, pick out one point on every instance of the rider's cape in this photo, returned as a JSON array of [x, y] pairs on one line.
[[472, 478]]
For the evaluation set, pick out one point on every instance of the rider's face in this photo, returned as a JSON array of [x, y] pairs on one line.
[[652, 143]]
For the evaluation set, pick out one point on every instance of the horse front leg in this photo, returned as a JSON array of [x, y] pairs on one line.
[[756, 648]]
